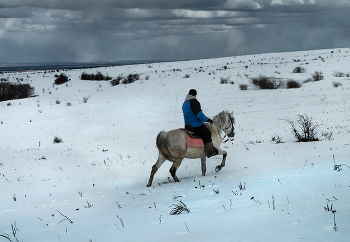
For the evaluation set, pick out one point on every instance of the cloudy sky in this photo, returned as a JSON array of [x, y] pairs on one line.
[[115, 30]]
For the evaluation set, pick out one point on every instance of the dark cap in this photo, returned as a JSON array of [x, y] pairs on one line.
[[193, 92]]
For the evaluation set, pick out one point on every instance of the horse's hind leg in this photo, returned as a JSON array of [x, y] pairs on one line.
[[155, 168], [204, 165], [173, 170]]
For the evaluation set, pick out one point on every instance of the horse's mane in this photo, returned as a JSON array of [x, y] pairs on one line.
[[219, 121], [220, 118]]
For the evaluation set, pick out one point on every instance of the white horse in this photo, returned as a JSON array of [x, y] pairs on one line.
[[172, 145]]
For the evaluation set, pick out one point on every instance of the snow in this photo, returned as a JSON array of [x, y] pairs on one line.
[[97, 176]]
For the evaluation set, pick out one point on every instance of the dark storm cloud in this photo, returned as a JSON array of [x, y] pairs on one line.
[[112, 30], [21, 12]]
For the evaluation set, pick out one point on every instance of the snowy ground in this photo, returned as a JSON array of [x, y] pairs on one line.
[[92, 186]]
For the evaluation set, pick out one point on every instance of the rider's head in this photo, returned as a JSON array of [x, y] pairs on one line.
[[193, 92]]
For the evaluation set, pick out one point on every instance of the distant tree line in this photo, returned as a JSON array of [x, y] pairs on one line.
[[95, 77]]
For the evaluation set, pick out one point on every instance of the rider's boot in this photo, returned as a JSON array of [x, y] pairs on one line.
[[210, 150]]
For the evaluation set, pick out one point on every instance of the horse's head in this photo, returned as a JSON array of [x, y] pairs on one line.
[[227, 122], [230, 130]]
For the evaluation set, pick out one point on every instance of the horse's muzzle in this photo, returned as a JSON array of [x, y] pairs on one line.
[[231, 135]]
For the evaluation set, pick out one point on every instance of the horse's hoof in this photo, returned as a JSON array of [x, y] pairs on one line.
[[218, 168]]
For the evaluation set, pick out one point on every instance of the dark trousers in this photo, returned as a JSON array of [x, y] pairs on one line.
[[204, 132]]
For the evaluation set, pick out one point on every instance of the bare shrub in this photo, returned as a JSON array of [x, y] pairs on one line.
[[61, 79], [299, 69], [337, 84], [243, 87], [293, 84], [338, 74], [241, 186], [85, 99], [304, 129], [277, 139], [57, 140], [179, 208], [117, 80], [131, 78], [95, 77], [264, 82], [328, 135], [11, 91], [224, 80], [317, 76]]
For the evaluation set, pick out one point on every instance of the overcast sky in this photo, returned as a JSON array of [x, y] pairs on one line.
[[116, 30]]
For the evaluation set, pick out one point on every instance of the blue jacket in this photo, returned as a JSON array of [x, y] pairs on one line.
[[192, 112]]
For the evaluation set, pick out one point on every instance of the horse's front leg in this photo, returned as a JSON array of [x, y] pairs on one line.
[[224, 154]]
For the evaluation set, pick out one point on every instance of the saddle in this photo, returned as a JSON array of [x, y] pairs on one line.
[[193, 140], [189, 131]]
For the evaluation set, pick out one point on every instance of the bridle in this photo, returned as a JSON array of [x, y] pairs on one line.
[[231, 134]]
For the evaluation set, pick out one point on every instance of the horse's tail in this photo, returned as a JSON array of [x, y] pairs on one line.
[[163, 145]]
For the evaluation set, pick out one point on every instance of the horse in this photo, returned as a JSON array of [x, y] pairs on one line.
[[172, 145]]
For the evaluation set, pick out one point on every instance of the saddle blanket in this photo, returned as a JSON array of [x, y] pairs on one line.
[[194, 143]]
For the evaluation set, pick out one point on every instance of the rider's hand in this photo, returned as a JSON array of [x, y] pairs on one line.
[[210, 121]]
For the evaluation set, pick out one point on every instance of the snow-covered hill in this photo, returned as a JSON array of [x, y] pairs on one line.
[[96, 178]]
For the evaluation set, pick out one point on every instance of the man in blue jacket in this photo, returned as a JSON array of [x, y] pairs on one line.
[[194, 121]]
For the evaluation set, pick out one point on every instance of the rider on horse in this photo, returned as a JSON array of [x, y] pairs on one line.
[[194, 121]]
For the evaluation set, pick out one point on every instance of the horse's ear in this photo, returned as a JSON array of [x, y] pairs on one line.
[[232, 113]]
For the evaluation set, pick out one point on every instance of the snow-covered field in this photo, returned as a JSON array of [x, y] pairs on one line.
[[92, 186]]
